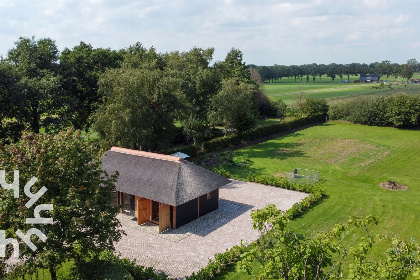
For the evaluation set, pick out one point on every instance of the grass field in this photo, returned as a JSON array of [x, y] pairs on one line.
[[288, 90], [352, 160]]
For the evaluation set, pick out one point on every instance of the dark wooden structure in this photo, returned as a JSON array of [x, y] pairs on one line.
[[163, 189], [369, 78]]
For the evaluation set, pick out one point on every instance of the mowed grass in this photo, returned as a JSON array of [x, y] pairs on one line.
[[288, 90], [352, 160]]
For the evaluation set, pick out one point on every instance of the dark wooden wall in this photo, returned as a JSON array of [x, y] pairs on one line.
[[209, 205], [186, 212], [190, 211]]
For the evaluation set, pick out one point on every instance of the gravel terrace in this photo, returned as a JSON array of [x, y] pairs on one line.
[[185, 250]]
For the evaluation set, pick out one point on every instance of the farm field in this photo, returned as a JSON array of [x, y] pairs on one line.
[[288, 90], [352, 160]]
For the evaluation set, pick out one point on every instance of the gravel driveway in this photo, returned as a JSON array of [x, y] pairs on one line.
[[187, 250]]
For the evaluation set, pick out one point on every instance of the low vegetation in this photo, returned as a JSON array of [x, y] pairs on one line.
[[352, 161], [399, 110]]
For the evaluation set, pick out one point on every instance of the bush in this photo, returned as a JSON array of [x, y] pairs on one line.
[[107, 266], [220, 262], [309, 107], [399, 110], [270, 108], [10, 131], [404, 110], [298, 209]]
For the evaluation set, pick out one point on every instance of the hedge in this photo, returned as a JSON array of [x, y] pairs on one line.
[[400, 110], [108, 266], [221, 261], [299, 208]]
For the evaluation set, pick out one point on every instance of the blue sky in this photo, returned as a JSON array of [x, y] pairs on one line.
[[268, 32]]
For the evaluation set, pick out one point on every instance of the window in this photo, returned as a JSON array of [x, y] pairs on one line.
[[209, 195]]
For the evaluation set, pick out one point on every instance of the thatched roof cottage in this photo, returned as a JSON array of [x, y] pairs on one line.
[[164, 189]]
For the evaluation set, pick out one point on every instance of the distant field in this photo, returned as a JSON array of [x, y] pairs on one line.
[[288, 90], [352, 160]]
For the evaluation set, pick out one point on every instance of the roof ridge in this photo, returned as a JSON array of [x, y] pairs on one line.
[[146, 154]]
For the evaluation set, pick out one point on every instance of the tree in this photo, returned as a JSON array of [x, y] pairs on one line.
[[406, 71], [139, 108], [321, 70], [255, 76], [305, 106], [267, 73], [69, 168], [233, 66], [37, 92], [332, 71], [295, 71], [286, 254], [347, 70], [10, 127], [414, 64], [81, 68], [383, 69], [234, 105], [198, 84], [280, 71]]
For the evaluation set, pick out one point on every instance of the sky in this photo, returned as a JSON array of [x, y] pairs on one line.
[[267, 32]]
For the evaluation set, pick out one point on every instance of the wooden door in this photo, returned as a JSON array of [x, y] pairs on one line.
[[164, 217], [142, 207]]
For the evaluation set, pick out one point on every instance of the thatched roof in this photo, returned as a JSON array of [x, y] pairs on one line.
[[162, 178]]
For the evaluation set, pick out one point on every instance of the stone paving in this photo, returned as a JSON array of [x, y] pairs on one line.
[[185, 250], [225, 207]]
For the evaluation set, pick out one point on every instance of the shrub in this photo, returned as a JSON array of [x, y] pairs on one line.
[[270, 108], [297, 209], [220, 262], [309, 107], [10, 131], [404, 110], [399, 110], [107, 266]]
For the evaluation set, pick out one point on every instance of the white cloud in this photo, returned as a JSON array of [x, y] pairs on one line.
[[268, 32]]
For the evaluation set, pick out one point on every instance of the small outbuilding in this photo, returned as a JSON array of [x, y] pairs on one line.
[[369, 78], [163, 189]]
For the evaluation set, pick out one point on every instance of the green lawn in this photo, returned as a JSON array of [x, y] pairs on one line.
[[352, 160], [288, 90]]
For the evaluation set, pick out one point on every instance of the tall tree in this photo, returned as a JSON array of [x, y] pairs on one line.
[[84, 221], [81, 68], [38, 90], [139, 108], [10, 127], [233, 66], [332, 70], [406, 71], [414, 64], [198, 84], [234, 105]]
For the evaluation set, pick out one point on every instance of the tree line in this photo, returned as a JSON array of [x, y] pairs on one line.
[[134, 97], [303, 72]]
